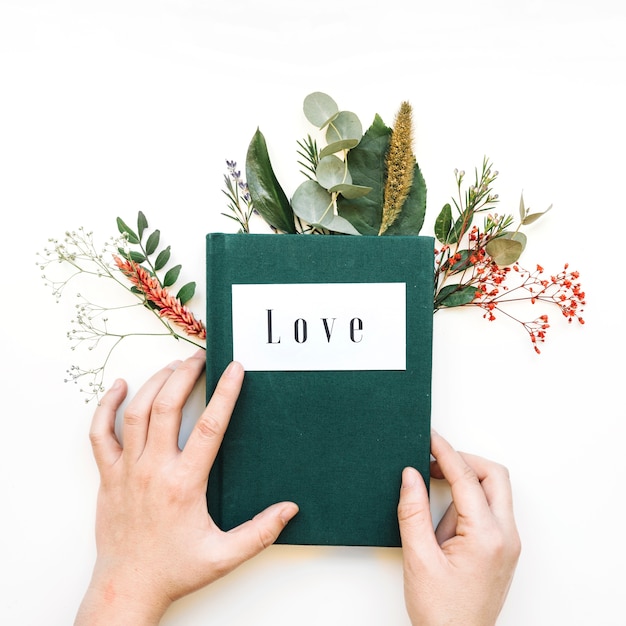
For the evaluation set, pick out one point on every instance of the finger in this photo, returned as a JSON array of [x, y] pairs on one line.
[[467, 493], [104, 442], [447, 527], [414, 517], [253, 536], [495, 482], [167, 406], [206, 437], [137, 413]]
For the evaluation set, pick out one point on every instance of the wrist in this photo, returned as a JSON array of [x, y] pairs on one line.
[[121, 598]]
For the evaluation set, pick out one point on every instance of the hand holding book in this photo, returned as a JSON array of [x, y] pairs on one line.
[[155, 541], [142, 568], [471, 557]]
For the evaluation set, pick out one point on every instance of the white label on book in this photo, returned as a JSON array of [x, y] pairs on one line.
[[320, 326]]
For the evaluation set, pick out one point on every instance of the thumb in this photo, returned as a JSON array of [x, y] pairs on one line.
[[262, 530], [414, 518]]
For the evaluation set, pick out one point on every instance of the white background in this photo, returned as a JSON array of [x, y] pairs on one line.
[[110, 107]]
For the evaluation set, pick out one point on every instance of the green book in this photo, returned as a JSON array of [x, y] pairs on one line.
[[335, 334]]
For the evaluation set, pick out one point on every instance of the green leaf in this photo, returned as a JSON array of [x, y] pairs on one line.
[[124, 229], [505, 251], [171, 276], [455, 295], [137, 257], [461, 264], [142, 224], [366, 163], [153, 242], [533, 217], [443, 223], [522, 208], [313, 204], [330, 171], [162, 259], [267, 195], [338, 146], [185, 293], [345, 126], [517, 236], [319, 108], [461, 226], [351, 191]]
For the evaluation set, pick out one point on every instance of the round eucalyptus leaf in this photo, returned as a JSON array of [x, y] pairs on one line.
[[521, 237], [338, 146], [345, 126], [331, 171], [312, 203], [319, 108], [350, 192], [504, 251]]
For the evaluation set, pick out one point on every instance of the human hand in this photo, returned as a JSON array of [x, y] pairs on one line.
[[460, 573], [155, 539]]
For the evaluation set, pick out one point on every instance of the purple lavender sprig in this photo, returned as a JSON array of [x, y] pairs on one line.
[[239, 200]]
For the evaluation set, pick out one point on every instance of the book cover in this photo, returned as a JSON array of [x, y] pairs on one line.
[[335, 334]]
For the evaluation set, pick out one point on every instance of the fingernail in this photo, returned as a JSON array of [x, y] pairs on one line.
[[288, 512], [233, 370], [116, 384], [409, 477], [199, 354], [174, 364]]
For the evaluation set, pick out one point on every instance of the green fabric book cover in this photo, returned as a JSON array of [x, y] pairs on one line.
[[335, 334]]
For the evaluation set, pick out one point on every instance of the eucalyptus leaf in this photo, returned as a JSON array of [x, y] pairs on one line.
[[517, 236], [171, 276], [345, 126], [504, 251], [351, 191], [338, 224], [331, 171], [162, 258], [186, 292], [455, 295], [338, 146], [153, 242], [533, 217], [267, 195], [320, 109], [522, 208], [312, 203], [125, 229]]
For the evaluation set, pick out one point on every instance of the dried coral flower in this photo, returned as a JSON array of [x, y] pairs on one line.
[[168, 306]]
